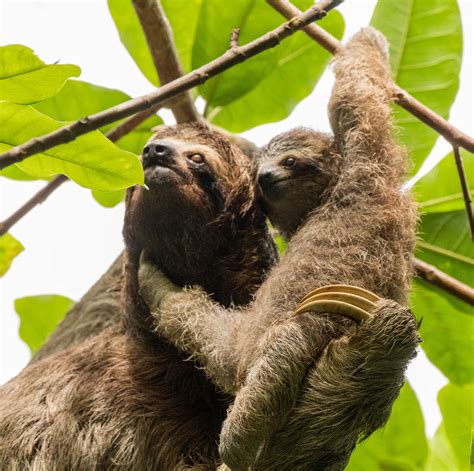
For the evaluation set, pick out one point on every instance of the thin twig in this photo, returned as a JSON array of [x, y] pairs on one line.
[[234, 38], [230, 58], [159, 36], [465, 188], [402, 97], [114, 135], [34, 201], [444, 281]]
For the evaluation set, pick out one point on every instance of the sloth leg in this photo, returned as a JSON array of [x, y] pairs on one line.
[[347, 395], [273, 384]]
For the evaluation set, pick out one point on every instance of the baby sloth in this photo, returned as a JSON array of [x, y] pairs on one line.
[[338, 200], [125, 399]]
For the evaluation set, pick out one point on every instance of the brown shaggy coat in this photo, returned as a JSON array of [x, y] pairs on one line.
[[340, 201], [125, 399]]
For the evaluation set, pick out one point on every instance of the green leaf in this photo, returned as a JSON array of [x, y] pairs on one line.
[[400, 445], [447, 329], [456, 405], [132, 37], [78, 99], [91, 160], [451, 446], [39, 316], [9, 249], [14, 173], [25, 78], [447, 244], [291, 75], [109, 199], [212, 40], [440, 189], [182, 15], [426, 50]]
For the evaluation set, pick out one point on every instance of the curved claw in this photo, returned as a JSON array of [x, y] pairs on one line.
[[351, 301]]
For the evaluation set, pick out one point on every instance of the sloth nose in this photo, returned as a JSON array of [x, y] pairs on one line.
[[157, 152], [266, 178]]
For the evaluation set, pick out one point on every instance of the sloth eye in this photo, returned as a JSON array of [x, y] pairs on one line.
[[289, 162], [196, 158]]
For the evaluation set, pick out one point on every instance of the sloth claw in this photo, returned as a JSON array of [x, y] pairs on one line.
[[350, 301]]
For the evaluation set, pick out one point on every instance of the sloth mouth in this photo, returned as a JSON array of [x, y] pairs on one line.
[[159, 167], [271, 183]]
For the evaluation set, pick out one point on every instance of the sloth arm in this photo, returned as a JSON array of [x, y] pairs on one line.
[[194, 324]]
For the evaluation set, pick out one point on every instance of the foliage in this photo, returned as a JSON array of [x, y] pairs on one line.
[[44, 312], [426, 48], [9, 249], [392, 447], [27, 79], [270, 84], [425, 51]]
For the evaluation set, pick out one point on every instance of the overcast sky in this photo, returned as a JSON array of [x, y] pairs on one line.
[[71, 240]]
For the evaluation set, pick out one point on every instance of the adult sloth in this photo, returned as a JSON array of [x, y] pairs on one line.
[[125, 399], [339, 201]]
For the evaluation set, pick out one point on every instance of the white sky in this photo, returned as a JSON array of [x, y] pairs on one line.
[[70, 240]]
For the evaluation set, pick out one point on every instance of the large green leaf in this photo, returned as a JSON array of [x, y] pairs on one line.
[[109, 199], [91, 160], [296, 68], [78, 99], [447, 244], [183, 16], [447, 329], [39, 316], [440, 189], [400, 445], [426, 49], [25, 78], [132, 37], [9, 249], [14, 173], [451, 446], [253, 18]]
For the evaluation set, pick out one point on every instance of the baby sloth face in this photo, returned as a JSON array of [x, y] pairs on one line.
[[295, 171]]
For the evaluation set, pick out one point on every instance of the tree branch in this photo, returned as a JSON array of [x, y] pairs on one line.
[[114, 135], [465, 188], [402, 97], [159, 36], [230, 58], [444, 281]]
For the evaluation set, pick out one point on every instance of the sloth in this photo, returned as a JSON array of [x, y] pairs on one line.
[[125, 399], [307, 378]]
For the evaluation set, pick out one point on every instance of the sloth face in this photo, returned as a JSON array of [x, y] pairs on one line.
[[295, 171], [188, 170], [195, 178]]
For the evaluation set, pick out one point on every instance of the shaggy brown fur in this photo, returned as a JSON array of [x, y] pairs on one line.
[[125, 399], [341, 203], [99, 308]]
